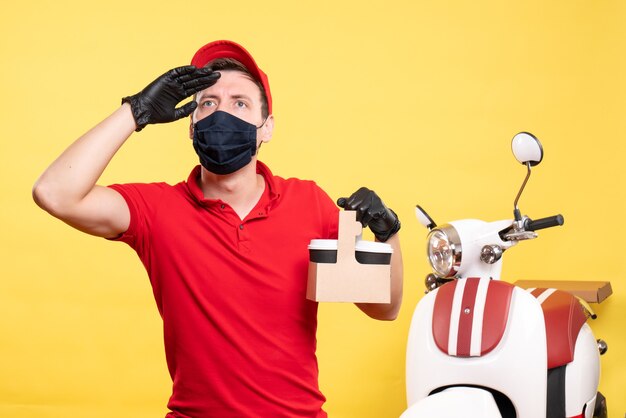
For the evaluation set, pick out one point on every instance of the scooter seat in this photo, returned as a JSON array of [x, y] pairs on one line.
[[564, 317]]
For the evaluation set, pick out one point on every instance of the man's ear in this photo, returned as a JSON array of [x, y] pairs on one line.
[[267, 129], [191, 126]]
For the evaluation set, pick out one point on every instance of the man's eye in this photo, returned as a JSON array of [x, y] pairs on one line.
[[208, 103], [240, 104]]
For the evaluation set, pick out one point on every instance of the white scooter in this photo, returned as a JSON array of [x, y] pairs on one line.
[[481, 347]]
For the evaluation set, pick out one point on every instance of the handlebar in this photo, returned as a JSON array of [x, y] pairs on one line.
[[543, 223]]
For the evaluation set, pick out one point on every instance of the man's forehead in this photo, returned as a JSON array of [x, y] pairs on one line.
[[235, 76], [234, 83]]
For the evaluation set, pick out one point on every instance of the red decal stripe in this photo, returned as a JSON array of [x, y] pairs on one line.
[[537, 292], [496, 314]]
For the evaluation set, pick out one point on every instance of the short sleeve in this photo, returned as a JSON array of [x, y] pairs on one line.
[[330, 213], [143, 201]]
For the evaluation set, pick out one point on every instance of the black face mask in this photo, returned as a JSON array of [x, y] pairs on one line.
[[224, 142]]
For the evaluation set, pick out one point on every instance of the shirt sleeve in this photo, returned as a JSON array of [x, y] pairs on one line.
[[143, 201], [330, 214]]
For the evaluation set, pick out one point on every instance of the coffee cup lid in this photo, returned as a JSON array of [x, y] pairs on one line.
[[362, 246]]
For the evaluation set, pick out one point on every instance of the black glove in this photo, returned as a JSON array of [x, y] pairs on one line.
[[372, 212], [157, 102]]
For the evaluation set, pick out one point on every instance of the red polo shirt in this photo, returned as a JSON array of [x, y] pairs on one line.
[[239, 332]]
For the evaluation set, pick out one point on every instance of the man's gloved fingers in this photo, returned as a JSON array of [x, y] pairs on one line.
[[198, 77], [355, 200], [184, 71], [364, 216], [358, 201], [190, 89], [361, 212], [184, 74], [204, 79], [185, 110], [372, 212], [360, 194], [347, 203]]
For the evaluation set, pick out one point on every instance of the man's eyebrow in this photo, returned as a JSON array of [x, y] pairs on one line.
[[203, 95], [240, 96], [232, 96]]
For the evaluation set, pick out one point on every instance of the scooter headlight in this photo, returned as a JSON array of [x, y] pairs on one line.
[[444, 250]]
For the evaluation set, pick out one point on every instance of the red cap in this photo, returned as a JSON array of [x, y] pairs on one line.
[[229, 49]]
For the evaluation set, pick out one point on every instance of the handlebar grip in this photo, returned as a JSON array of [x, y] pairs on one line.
[[543, 223]]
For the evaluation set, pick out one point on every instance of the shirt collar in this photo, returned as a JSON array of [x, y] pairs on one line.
[[193, 185]]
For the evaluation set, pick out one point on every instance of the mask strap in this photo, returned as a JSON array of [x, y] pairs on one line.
[[265, 120]]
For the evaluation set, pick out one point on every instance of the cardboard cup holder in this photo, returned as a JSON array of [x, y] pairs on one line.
[[348, 269]]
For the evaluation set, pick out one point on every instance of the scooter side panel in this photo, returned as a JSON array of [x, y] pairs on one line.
[[563, 317], [582, 375]]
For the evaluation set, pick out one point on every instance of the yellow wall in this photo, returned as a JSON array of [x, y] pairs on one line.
[[416, 99]]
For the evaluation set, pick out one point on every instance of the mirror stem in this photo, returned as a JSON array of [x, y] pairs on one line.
[[518, 216]]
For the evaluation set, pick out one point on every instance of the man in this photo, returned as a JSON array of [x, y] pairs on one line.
[[226, 251]]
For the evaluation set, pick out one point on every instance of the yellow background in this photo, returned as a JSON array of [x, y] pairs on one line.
[[415, 99]]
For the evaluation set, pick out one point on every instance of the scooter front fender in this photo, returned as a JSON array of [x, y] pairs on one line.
[[516, 367], [455, 402]]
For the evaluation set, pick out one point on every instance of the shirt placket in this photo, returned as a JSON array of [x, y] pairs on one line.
[[243, 238], [243, 230]]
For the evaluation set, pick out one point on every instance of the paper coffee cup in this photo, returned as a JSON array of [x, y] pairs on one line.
[[367, 252]]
